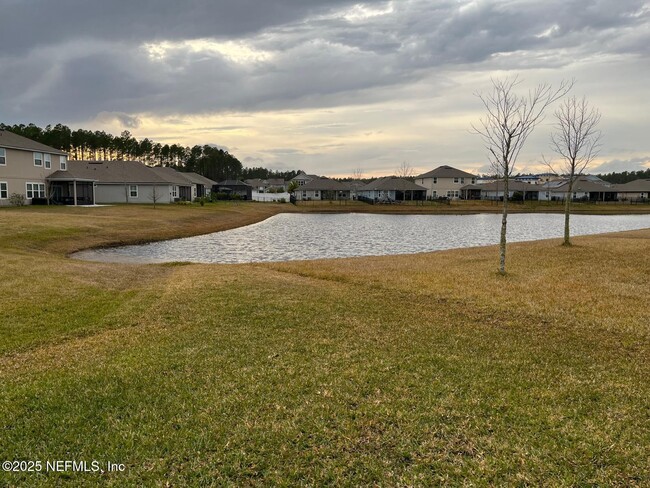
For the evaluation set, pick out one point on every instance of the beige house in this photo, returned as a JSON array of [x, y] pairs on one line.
[[445, 181], [25, 166]]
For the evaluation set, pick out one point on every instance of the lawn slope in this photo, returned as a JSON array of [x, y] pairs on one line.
[[399, 370]]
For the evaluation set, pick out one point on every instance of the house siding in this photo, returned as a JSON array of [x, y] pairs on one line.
[[19, 170], [117, 193], [443, 185]]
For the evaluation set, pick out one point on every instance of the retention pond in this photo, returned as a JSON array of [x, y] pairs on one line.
[[288, 237]]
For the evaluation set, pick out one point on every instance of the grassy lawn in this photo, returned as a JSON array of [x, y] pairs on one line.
[[394, 371]]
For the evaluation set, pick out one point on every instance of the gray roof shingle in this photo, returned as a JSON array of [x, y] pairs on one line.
[[324, 184], [110, 172], [640, 185], [10, 140], [171, 175], [391, 184], [198, 179], [445, 171]]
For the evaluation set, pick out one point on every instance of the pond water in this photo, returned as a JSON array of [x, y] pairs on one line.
[[287, 237]]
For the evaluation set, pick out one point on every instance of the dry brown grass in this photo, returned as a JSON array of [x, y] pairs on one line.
[[68, 229], [410, 370]]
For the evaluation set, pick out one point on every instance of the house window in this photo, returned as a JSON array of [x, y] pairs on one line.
[[3, 156], [473, 181], [174, 191], [35, 190], [462, 180], [63, 161], [316, 194], [456, 180], [133, 191], [304, 194], [453, 193], [4, 190], [48, 161], [38, 159], [434, 194], [435, 181]]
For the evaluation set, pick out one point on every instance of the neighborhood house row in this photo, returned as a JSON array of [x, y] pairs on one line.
[[41, 173]]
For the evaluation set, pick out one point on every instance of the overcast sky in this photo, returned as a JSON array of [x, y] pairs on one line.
[[327, 86]]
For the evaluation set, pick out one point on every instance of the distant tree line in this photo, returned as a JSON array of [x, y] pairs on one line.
[[81, 144], [625, 176]]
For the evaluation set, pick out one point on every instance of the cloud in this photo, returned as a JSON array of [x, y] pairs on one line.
[[220, 56], [397, 76], [633, 164], [124, 120]]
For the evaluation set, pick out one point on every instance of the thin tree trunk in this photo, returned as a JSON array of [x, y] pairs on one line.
[[567, 213], [504, 224]]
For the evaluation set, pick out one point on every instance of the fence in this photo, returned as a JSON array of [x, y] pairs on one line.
[[270, 197]]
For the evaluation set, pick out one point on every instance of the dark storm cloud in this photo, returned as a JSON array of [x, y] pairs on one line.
[[30, 23], [74, 59]]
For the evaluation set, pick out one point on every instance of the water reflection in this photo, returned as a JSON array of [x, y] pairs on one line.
[[288, 237]]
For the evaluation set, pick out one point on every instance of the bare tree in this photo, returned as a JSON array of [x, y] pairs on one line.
[[577, 142], [357, 174], [404, 170], [155, 195], [509, 120]]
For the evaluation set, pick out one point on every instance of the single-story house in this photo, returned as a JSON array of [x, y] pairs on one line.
[[323, 189], [25, 166], [92, 182], [354, 186], [496, 189], [585, 187], [634, 190], [201, 186], [234, 187], [181, 186], [391, 189]]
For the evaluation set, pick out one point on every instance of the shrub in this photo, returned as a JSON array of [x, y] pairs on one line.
[[17, 199], [214, 196]]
